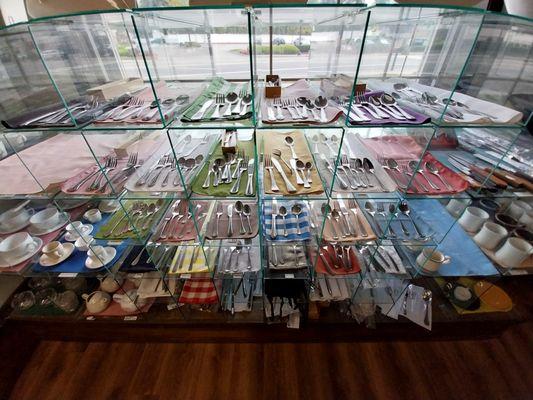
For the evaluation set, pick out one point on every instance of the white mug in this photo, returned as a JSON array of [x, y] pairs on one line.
[[517, 208], [527, 219], [54, 250], [490, 235], [83, 242], [473, 218], [431, 259], [75, 229], [456, 206], [17, 245], [98, 254], [15, 217], [93, 215], [513, 252], [47, 218]]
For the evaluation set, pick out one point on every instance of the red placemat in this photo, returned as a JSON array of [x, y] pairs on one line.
[[329, 255], [199, 290]]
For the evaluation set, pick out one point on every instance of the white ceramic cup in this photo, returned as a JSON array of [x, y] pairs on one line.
[[456, 206], [93, 215], [513, 252], [473, 219], [44, 219], [83, 242], [17, 245], [517, 208], [54, 250], [490, 235], [98, 254], [462, 293], [15, 217], [527, 219], [431, 259], [75, 229]]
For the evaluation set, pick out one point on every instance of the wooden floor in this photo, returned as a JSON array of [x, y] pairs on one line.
[[500, 368]]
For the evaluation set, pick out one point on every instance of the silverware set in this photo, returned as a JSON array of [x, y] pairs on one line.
[[228, 260], [344, 219], [336, 257], [103, 176], [62, 116], [292, 250], [139, 215], [139, 110], [226, 105], [413, 169], [243, 211], [379, 259], [392, 213], [178, 222], [180, 261], [229, 171], [300, 108], [283, 213], [375, 107]]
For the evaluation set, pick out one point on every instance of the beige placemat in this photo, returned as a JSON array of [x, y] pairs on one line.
[[271, 140]]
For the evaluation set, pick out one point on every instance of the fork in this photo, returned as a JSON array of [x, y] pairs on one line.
[[287, 104], [166, 163], [240, 157], [270, 168], [352, 163], [135, 105], [219, 102], [237, 108], [352, 206], [142, 180], [110, 164], [279, 113], [172, 168], [226, 173], [345, 164], [132, 162]]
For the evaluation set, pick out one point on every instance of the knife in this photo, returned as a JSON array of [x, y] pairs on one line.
[[273, 232], [299, 180], [472, 167], [389, 258], [377, 266], [200, 113], [475, 180], [383, 261], [288, 184], [325, 262], [230, 220], [250, 182], [495, 162], [351, 154]]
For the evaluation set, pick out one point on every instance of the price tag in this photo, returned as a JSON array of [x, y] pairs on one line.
[[130, 318], [137, 276], [172, 306], [90, 318], [294, 320], [289, 276], [185, 276], [68, 274]]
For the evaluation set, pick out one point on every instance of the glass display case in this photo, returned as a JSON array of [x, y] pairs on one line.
[[266, 164]]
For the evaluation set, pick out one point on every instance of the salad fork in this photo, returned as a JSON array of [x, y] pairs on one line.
[[110, 165], [270, 168], [220, 100]]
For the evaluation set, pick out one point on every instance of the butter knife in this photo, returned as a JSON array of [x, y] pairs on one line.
[[250, 182], [230, 220], [288, 184], [390, 260], [200, 113]]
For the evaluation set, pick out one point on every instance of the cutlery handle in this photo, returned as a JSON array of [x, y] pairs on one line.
[[244, 110], [294, 115], [323, 117], [304, 112], [404, 229], [144, 178], [333, 229], [448, 186], [250, 185], [342, 182], [273, 185], [230, 225], [216, 114], [290, 187], [251, 230], [236, 170], [270, 112], [433, 186], [273, 232], [227, 113], [279, 113], [274, 255], [359, 226], [404, 113], [237, 108], [155, 178], [351, 227], [315, 115], [393, 112], [80, 183]]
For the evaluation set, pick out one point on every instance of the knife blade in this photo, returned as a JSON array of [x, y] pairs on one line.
[[290, 187], [230, 220], [200, 113]]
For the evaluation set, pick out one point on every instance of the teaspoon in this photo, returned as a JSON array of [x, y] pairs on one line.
[[321, 103], [296, 210], [283, 213], [435, 171]]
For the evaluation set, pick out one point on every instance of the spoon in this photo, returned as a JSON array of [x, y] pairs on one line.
[[315, 141], [238, 250], [238, 210], [321, 103], [336, 216], [303, 101], [435, 171], [392, 164], [300, 166], [325, 208], [231, 99], [289, 141], [247, 210], [469, 110], [283, 213], [296, 210], [220, 163], [308, 168], [368, 168], [413, 165], [369, 208], [311, 107], [392, 212], [325, 140], [277, 153], [404, 209], [400, 87], [246, 101]]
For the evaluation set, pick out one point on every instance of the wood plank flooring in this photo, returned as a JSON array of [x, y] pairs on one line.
[[499, 368]]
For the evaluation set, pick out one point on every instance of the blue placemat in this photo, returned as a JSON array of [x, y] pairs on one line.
[[76, 263], [466, 257], [290, 222]]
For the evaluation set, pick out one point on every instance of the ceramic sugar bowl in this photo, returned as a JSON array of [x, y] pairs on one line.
[[96, 302], [110, 283]]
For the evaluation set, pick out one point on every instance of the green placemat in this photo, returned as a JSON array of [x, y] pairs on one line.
[[133, 216], [222, 190], [220, 86]]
